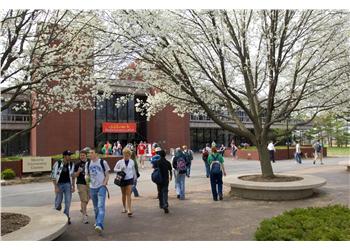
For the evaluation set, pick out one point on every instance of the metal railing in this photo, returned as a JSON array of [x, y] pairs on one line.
[[14, 118]]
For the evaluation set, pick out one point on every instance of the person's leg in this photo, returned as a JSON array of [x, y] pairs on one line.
[[67, 191], [134, 189], [177, 184], [59, 198], [160, 196], [316, 156], [321, 157], [213, 186], [182, 186], [94, 198], [299, 157], [123, 189], [188, 170], [128, 198], [101, 196], [207, 169], [219, 182]]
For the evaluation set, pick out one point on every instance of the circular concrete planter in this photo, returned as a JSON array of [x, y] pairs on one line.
[[45, 223], [275, 191]]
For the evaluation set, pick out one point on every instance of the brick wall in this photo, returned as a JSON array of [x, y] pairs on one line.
[[168, 129]]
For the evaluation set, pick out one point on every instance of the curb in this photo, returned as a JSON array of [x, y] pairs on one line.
[[45, 223]]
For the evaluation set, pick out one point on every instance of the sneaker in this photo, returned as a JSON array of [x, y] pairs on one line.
[[178, 196], [69, 222], [215, 199], [98, 229], [321, 163], [314, 162], [166, 210], [221, 198], [85, 219]]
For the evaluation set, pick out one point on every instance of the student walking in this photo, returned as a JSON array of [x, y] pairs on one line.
[[318, 147], [298, 152], [189, 158], [62, 176], [216, 162], [97, 175], [234, 149], [179, 164], [134, 186], [83, 189], [165, 172], [126, 165], [141, 151], [205, 155], [272, 150]]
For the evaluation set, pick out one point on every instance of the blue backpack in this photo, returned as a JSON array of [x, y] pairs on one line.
[[157, 176], [215, 166]]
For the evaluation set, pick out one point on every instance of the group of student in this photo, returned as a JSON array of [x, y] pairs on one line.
[[90, 175]]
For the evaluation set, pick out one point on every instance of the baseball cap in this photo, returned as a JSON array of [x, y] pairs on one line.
[[67, 152], [158, 149]]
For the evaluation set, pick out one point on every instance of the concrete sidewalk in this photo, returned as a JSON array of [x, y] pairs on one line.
[[199, 217]]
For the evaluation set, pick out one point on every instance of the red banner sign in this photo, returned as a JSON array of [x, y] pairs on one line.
[[112, 127]]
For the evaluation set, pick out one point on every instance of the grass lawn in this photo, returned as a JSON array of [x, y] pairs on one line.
[[336, 151]]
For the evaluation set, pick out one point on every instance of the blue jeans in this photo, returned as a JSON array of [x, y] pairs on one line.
[[216, 180], [188, 170], [134, 189], [98, 197], [298, 157], [66, 190], [180, 185], [163, 195], [207, 170]]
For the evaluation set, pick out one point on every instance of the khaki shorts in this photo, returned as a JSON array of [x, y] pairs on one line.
[[83, 191]]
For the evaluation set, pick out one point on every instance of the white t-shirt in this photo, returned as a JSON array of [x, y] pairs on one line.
[[96, 173], [128, 170], [271, 146], [297, 148]]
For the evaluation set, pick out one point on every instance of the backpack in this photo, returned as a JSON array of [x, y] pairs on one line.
[[181, 165], [215, 166], [318, 148], [205, 155], [101, 163], [157, 176]]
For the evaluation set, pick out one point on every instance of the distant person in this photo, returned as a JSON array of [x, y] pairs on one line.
[[127, 165], [114, 149], [107, 149], [272, 150], [62, 176], [83, 188], [119, 148], [97, 175], [166, 175], [216, 163], [179, 164], [234, 149], [205, 155], [141, 151], [318, 147], [222, 150], [134, 186], [189, 158], [298, 152]]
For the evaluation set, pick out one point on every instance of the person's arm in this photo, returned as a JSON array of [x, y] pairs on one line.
[[53, 177], [105, 181], [222, 165], [171, 172]]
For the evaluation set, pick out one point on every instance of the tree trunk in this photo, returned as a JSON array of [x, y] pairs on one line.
[[265, 163]]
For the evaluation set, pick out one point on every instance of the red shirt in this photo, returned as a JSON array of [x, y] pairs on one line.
[[141, 149]]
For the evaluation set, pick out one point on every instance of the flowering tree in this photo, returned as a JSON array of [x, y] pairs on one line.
[[270, 64], [59, 59]]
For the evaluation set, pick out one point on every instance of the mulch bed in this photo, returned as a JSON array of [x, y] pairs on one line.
[[276, 178], [27, 179], [11, 222]]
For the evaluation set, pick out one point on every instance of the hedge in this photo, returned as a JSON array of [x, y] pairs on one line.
[[314, 223]]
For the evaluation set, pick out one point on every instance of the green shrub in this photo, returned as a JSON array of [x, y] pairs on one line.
[[8, 174], [324, 223]]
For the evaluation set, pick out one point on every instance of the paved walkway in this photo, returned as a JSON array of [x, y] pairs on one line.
[[199, 217]]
